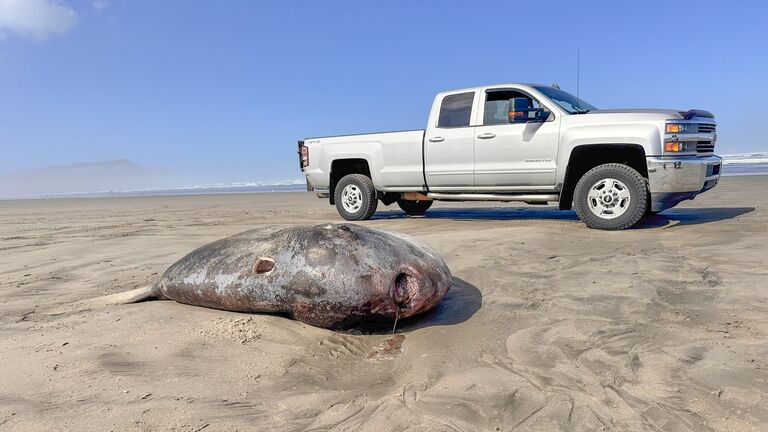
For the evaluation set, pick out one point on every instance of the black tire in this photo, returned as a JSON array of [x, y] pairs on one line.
[[635, 209], [414, 208], [367, 197]]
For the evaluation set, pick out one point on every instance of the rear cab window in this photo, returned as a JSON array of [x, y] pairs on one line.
[[456, 110]]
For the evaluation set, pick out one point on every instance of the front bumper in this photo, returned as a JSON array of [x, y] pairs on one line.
[[677, 178]]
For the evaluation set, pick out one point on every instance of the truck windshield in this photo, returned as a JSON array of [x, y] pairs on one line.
[[566, 100]]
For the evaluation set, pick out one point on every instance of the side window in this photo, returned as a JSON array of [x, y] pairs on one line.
[[497, 109], [456, 110]]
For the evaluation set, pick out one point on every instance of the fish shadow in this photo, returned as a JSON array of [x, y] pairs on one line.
[[692, 216], [459, 305]]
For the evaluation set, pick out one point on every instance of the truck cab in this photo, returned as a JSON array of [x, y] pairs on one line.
[[522, 142]]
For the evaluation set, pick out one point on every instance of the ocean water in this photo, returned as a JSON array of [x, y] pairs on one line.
[[208, 189], [232, 188], [745, 164]]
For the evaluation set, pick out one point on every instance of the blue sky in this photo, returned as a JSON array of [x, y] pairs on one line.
[[221, 91]]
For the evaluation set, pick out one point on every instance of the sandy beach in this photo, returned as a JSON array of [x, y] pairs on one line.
[[549, 326]]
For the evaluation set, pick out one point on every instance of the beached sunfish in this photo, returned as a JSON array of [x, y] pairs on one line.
[[332, 276]]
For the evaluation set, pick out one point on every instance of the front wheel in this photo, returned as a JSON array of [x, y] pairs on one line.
[[611, 197], [414, 208], [355, 197]]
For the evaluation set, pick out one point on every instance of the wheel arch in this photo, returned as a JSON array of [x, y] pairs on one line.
[[587, 156], [343, 167]]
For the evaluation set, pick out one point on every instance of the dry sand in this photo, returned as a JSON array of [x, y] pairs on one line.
[[549, 326]]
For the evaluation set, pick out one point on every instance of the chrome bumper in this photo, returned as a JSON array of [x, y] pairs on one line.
[[678, 178]]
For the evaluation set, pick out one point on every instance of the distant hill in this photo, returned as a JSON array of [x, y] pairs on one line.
[[83, 178]]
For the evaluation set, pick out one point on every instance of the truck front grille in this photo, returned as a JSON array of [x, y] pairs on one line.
[[705, 147]]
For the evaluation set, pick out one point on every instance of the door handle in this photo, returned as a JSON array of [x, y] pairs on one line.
[[487, 136], [436, 139]]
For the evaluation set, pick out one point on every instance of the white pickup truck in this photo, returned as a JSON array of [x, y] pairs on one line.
[[522, 142]]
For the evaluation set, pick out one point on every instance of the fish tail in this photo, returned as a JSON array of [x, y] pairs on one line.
[[132, 296]]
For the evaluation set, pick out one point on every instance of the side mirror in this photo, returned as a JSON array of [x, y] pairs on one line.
[[521, 110]]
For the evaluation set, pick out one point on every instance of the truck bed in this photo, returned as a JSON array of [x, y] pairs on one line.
[[399, 168]]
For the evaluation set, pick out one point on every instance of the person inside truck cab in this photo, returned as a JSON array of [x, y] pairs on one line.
[[506, 106]]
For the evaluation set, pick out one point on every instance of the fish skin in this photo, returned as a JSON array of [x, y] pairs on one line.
[[332, 275]]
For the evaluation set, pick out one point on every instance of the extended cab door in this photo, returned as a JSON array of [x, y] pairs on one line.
[[515, 143], [449, 142]]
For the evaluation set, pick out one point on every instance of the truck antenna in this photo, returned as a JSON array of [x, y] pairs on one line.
[[578, 55]]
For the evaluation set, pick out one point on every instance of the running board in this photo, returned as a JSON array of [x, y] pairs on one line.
[[539, 198]]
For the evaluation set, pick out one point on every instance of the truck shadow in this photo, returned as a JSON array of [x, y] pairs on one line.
[[674, 217], [692, 216], [459, 304], [485, 213]]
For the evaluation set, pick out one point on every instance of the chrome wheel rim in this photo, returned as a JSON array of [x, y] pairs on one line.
[[609, 198], [351, 198]]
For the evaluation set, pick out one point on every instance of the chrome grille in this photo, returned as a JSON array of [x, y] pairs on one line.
[[705, 146], [706, 128]]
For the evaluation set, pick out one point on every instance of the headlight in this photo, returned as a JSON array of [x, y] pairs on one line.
[[675, 146], [674, 128]]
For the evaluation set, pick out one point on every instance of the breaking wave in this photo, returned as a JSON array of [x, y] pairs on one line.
[[745, 158], [745, 164]]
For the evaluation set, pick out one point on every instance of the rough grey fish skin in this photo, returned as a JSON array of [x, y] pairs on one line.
[[331, 276]]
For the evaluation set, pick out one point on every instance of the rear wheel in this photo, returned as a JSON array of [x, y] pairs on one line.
[[414, 208], [611, 197], [355, 197]]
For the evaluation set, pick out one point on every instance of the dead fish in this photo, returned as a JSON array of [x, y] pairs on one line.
[[332, 276]]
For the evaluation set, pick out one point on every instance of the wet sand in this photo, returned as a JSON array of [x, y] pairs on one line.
[[549, 326]]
